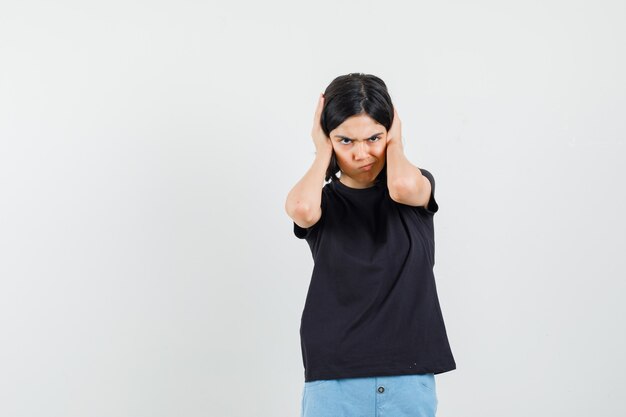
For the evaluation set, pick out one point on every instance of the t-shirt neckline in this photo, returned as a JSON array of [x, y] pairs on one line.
[[343, 186]]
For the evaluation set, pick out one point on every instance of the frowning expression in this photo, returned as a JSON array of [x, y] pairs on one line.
[[360, 148]]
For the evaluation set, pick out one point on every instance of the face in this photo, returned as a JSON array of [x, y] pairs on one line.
[[360, 148]]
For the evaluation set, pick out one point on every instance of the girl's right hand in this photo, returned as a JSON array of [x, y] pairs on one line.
[[320, 140]]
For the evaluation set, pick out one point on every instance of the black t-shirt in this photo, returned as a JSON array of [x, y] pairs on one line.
[[372, 307]]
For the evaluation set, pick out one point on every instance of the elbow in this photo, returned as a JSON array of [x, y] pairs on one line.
[[298, 211], [399, 188]]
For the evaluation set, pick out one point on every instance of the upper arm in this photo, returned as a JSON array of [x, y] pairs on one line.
[[306, 219], [303, 227], [422, 196], [304, 223]]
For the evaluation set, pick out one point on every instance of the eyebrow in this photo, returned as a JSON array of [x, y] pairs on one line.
[[345, 137]]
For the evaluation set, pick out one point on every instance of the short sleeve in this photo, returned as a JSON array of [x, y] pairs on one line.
[[301, 232], [304, 233], [432, 205]]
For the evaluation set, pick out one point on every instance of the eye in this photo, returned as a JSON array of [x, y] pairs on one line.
[[374, 139]]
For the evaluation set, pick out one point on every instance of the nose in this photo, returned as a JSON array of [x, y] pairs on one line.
[[360, 150]]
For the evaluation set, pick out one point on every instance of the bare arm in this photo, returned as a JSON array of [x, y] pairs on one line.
[[303, 202], [405, 181], [407, 184]]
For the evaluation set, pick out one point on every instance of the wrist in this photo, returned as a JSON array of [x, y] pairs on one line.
[[323, 152]]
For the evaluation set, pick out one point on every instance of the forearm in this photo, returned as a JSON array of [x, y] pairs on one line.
[[401, 174], [306, 195]]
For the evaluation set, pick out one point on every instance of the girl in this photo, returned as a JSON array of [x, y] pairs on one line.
[[372, 331]]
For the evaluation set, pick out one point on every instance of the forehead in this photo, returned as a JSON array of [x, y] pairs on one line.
[[359, 126]]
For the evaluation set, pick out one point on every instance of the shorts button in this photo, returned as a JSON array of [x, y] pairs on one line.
[[381, 389]]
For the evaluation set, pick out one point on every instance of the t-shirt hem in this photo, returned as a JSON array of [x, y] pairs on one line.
[[373, 372]]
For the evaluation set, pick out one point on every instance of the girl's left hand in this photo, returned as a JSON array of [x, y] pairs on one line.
[[395, 131]]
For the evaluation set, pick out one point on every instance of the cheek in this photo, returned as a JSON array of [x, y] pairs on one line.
[[339, 156], [381, 151], [341, 153]]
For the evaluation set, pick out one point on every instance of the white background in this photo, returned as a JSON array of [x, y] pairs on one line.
[[148, 267]]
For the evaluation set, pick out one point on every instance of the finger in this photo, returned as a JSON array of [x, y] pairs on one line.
[[320, 106]]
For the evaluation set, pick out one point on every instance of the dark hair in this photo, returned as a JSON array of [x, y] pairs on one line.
[[350, 95]]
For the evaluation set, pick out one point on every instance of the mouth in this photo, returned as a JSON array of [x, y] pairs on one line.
[[367, 167]]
